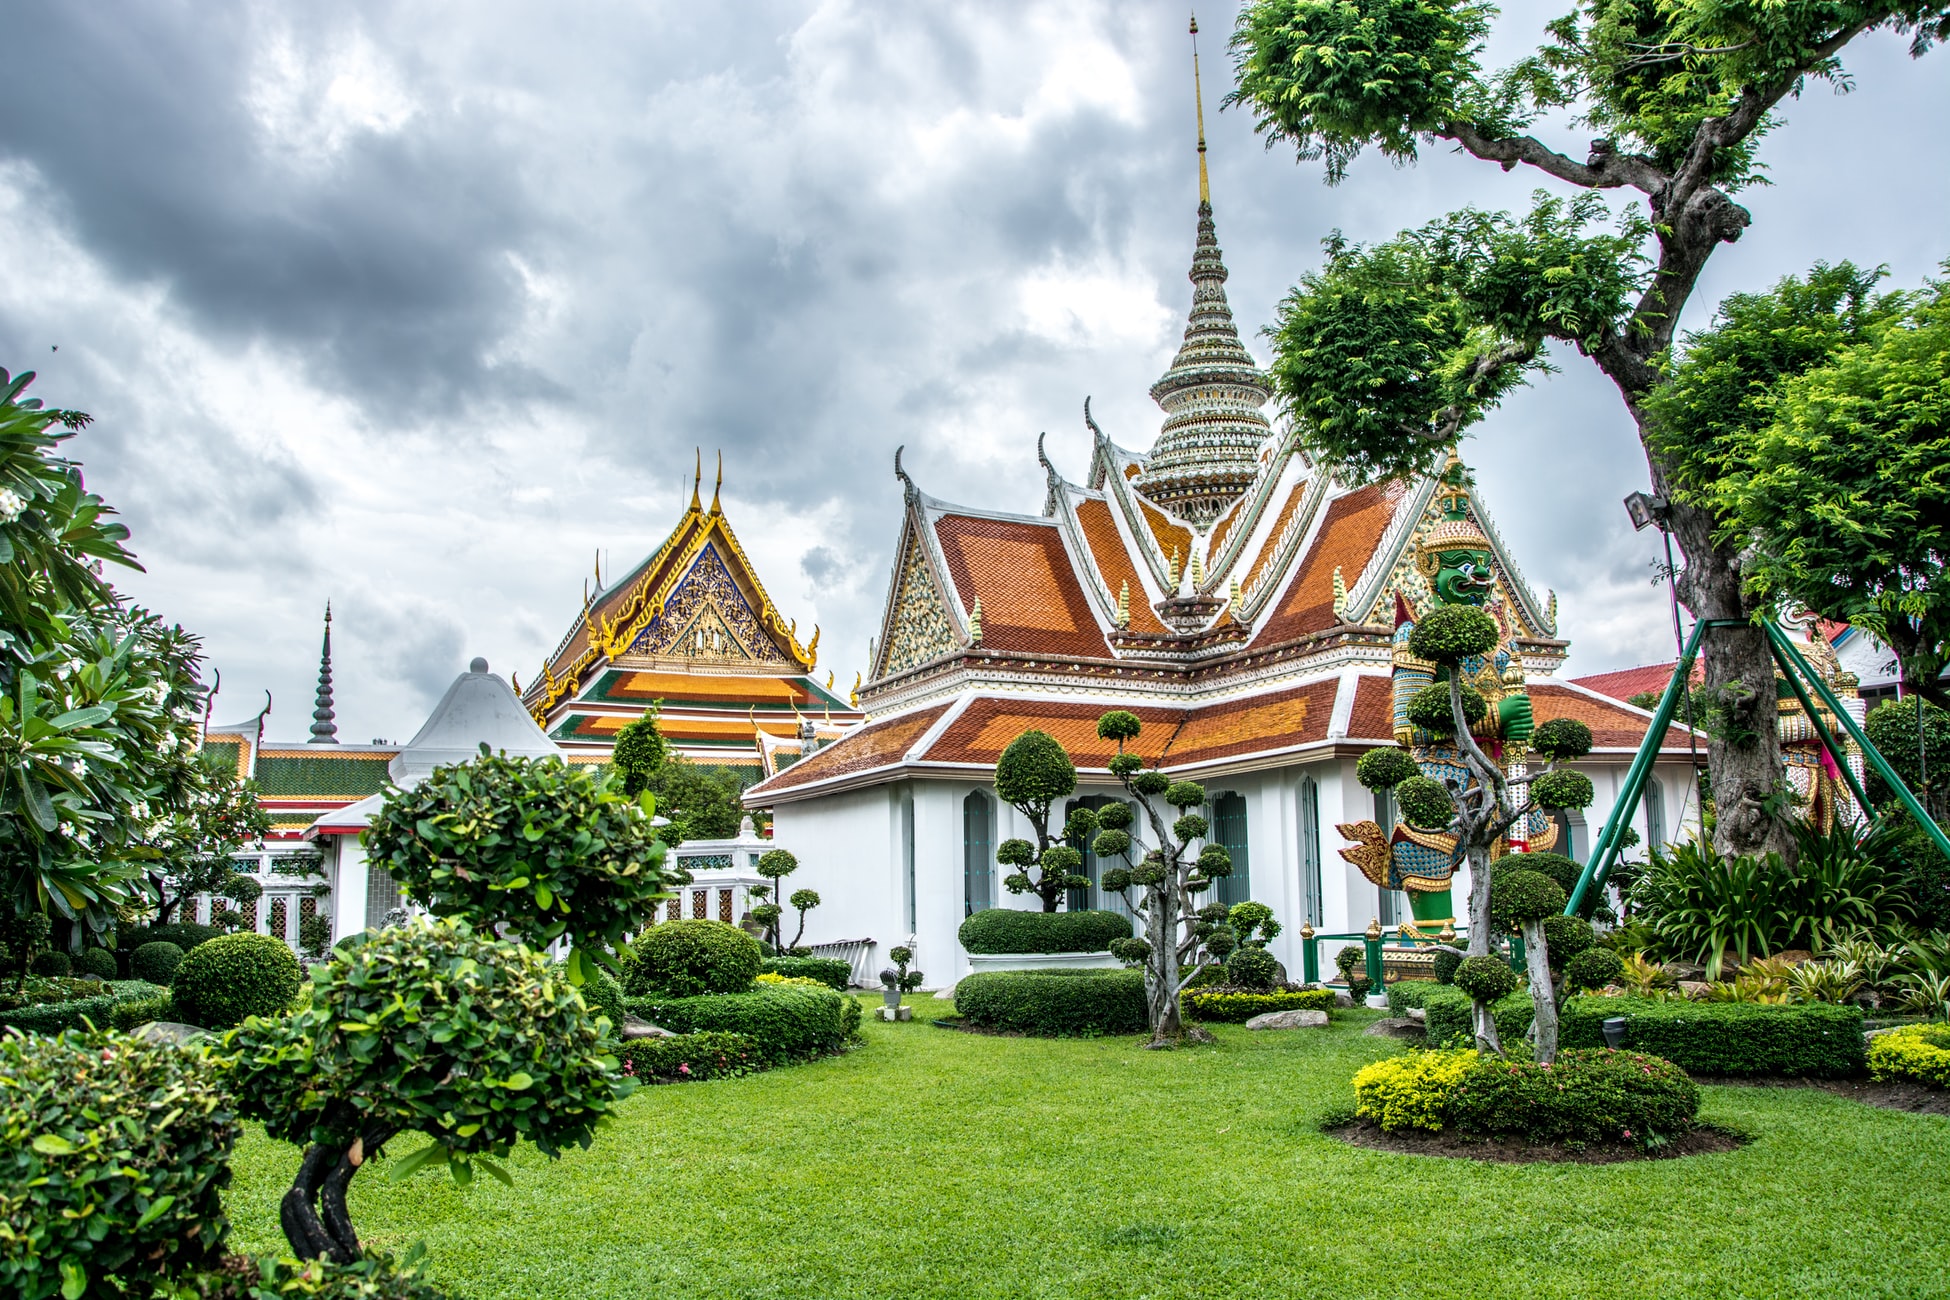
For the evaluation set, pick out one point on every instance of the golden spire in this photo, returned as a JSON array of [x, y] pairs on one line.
[[1198, 97], [719, 486], [1124, 604], [697, 477]]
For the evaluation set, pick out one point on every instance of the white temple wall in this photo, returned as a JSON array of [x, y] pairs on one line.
[[848, 850]]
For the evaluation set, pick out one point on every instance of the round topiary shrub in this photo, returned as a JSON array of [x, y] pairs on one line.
[[1593, 969], [96, 962], [1429, 708], [1566, 937], [1555, 865], [1564, 788], [185, 935], [222, 982], [1449, 633], [1561, 738], [682, 959], [1380, 769], [114, 1154], [52, 964], [155, 962], [1445, 966], [1425, 803], [1518, 896], [1253, 968], [1007, 930], [1486, 978]]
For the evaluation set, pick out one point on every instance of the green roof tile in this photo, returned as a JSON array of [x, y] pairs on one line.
[[322, 774]]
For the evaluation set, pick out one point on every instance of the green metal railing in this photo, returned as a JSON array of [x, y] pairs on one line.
[[1604, 854]]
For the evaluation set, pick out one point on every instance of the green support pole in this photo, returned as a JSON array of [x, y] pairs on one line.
[[1374, 966], [1309, 956], [1517, 957], [1869, 751]]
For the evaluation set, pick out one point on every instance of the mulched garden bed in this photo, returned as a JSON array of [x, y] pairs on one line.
[[1897, 1094], [1517, 1151]]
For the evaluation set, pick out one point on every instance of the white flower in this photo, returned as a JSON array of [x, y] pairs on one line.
[[10, 505]]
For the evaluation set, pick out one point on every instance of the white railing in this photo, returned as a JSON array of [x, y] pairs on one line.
[[856, 953]]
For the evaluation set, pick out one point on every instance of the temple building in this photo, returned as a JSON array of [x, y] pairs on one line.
[[690, 633], [1229, 591]]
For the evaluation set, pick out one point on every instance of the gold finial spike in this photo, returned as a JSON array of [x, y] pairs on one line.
[[853, 697], [1374, 928], [975, 623], [1198, 97], [829, 679], [697, 477], [1124, 604], [718, 487]]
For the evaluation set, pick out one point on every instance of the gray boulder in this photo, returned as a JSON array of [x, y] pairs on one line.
[[1289, 1020]]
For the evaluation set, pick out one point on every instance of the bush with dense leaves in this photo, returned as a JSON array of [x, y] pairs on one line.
[[1409, 995], [788, 1022], [1486, 977], [156, 961], [131, 1013], [96, 963], [374, 1276], [1446, 965], [1449, 633], [113, 1158], [1447, 1016], [1006, 930], [184, 934], [833, 972], [1384, 769], [682, 959], [1233, 1005], [1253, 968], [689, 1058], [1057, 1003], [1410, 1091], [49, 1006], [1586, 1095], [546, 849], [1425, 803], [234, 976], [52, 964], [1432, 710], [604, 997], [1518, 897], [1814, 1040], [1920, 1053], [1593, 969], [1563, 788], [1557, 739]]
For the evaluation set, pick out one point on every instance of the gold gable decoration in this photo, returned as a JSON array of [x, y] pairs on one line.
[[918, 626]]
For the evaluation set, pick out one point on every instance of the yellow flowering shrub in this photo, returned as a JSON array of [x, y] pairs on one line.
[[1412, 1090], [769, 977], [1919, 1052]]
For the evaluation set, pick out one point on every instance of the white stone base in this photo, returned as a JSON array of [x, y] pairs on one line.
[[985, 961]]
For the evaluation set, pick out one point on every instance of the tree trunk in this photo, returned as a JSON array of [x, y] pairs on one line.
[[313, 1213], [1167, 1027], [1542, 999], [1484, 1023]]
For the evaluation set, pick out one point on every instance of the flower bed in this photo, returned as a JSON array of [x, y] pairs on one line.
[[1229, 1005], [1918, 1052], [1811, 1040]]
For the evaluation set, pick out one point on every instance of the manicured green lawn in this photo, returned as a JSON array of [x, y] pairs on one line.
[[932, 1163]]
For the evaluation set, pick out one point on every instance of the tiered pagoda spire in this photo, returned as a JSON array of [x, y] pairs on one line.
[[324, 727], [1207, 453]]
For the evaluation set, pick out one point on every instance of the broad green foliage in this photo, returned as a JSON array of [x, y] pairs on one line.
[[1005, 930], [429, 1027], [548, 850], [788, 1022], [219, 983], [1378, 353], [682, 959], [1740, 1038], [1893, 727], [113, 1159], [1412, 1090]]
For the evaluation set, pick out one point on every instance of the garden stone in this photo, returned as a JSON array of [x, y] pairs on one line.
[[1342, 998], [168, 1031], [1394, 1028], [1418, 1015], [636, 1027], [1694, 990], [1289, 1020]]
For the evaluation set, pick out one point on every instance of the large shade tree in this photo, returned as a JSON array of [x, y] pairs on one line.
[[1387, 354]]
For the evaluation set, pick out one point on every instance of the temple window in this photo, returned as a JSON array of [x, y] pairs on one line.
[[1310, 886], [1229, 832], [977, 853]]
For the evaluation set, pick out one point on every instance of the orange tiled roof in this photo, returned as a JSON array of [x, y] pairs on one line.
[[1170, 536], [1627, 682], [1115, 564], [1031, 599], [1347, 540], [1252, 726], [604, 726], [1612, 726], [1272, 542], [1374, 709], [1223, 529], [715, 688], [874, 745]]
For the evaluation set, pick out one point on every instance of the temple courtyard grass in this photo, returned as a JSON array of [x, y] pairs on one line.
[[932, 1163]]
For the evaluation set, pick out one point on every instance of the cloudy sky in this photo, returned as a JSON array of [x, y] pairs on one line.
[[418, 307]]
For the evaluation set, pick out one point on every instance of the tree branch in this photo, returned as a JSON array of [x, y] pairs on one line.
[[1604, 169]]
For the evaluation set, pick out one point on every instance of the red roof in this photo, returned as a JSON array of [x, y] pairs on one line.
[[1347, 541], [1032, 601], [878, 744], [1627, 682], [1613, 726]]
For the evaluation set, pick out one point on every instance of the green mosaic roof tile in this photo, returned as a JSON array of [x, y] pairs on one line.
[[322, 774]]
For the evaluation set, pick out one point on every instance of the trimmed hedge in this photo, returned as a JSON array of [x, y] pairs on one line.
[[1236, 1005], [1006, 931], [789, 1022], [830, 971], [131, 1014], [114, 1155], [156, 961], [65, 1004], [1585, 1096], [1055, 1003], [1447, 1016], [688, 1058], [1918, 1052], [605, 998], [54, 964], [1407, 995], [684, 959], [95, 963], [233, 977], [1814, 1039], [185, 935]]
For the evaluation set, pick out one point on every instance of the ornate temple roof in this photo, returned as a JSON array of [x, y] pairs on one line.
[[690, 632]]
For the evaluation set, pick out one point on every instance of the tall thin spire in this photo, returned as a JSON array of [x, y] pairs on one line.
[[1207, 452], [324, 730], [1198, 98]]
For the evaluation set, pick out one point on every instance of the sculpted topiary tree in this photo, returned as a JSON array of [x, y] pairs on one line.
[[545, 850], [1170, 947], [1386, 355], [1031, 776], [429, 1026], [1481, 810], [775, 865]]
